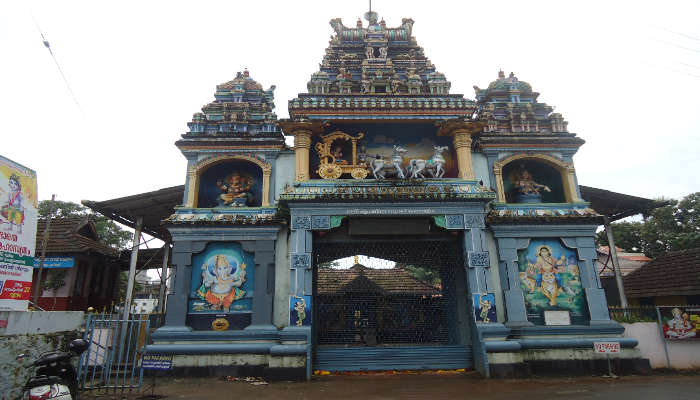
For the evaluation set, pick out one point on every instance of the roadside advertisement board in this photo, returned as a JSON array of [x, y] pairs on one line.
[[18, 217], [680, 323]]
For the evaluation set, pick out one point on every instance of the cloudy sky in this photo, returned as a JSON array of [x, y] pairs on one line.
[[626, 75]]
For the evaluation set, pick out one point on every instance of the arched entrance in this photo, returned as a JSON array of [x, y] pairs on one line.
[[389, 293]]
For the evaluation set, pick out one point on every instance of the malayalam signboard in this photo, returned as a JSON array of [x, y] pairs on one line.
[[157, 361], [606, 347], [680, 323], [18, 216]]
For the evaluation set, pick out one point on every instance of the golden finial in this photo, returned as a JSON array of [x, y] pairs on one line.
[[357, 259]]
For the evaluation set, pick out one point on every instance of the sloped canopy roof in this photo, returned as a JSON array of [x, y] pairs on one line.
[[676, 273], [617, 205], [153, 206]]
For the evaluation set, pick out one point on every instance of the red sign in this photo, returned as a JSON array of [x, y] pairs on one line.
[[606, 347], [3, 323], [16, 290]]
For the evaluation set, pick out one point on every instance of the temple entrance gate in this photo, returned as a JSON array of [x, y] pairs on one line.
[[384, 302]]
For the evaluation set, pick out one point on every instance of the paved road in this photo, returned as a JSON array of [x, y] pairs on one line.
[[429, 386]]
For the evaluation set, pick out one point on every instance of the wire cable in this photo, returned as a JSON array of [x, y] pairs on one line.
[[60, 70]]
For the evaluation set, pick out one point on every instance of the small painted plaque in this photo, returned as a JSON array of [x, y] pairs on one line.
[[299, 310], [479, 259], [552, 317], [485, 307]]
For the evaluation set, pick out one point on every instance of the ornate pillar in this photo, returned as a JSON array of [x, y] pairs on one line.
[[267, 171], [302, 132], [461, 132], [568, 175], [302, 143], [191, 186], [498, 173], [463, 145]]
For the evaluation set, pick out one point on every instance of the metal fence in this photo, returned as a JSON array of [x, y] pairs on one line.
[[113, 359], [633, 314]]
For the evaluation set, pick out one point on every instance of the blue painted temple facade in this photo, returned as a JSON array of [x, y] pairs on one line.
[[472, 246]]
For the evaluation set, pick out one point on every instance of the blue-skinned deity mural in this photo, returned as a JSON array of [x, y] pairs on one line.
[[299, 310], [485, 307], [550, 279], [222, 279]]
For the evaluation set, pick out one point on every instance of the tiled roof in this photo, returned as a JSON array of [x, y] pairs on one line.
[[360, 278], [71, 235], [674, 274], [629, 262]]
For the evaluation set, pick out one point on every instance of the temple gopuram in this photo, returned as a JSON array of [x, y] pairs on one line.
[[407, 228]]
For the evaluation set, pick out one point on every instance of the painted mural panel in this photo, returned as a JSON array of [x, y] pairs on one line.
[[299, 310], [222, 279], [485, 307], [18, 218], [379, 142], [550, 279], [231, 184], [680, 323]]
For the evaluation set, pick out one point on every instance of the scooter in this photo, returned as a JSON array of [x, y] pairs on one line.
[[55, 377]]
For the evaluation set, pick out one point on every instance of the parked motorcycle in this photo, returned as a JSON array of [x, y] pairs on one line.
[[55, 377]]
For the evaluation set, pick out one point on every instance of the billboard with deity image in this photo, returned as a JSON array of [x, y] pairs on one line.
[[18, 216]]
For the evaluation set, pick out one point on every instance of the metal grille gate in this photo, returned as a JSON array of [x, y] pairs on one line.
[[113, 360], [405, 317]]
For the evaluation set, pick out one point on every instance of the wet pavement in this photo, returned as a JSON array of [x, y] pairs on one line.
[[432, 386]]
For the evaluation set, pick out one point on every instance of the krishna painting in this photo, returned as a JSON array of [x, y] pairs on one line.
[[549, 277]]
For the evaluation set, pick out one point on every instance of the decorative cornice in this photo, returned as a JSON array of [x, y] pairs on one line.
[[419, 190]]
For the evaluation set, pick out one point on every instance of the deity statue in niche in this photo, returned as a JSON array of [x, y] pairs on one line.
[[235, 190], [222, 280], [526, 188]]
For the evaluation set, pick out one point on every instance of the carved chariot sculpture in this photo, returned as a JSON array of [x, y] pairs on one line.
[[333, 164]]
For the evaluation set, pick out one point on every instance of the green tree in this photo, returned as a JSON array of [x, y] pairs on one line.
[[423, 274], [108, 231], [628, 236], [673, 227], [55, 281]]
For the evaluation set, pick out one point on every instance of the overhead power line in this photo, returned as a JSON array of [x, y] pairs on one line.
[[60, 70]]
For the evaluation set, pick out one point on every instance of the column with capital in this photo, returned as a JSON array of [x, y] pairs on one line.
[[463, 146], [461, 132], [302, 143], [302, 132]]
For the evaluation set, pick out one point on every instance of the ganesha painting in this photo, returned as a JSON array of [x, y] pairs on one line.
[[221, 279]]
